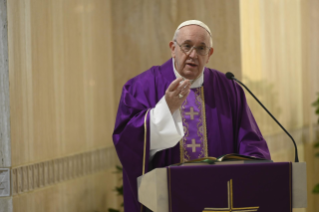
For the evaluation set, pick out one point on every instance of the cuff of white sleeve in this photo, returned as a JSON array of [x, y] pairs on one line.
[[166, 128]]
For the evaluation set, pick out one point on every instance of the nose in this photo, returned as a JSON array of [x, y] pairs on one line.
[[192, 53]]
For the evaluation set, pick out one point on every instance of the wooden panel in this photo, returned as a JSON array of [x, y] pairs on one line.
[[142, 30], [61, 86]]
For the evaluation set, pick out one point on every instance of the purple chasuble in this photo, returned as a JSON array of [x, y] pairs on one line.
[[230, 126]]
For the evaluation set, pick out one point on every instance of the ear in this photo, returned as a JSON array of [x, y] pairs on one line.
[[211, 51], [172, 47]]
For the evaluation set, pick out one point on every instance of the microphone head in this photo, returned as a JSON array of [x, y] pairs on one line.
[[230, 75]]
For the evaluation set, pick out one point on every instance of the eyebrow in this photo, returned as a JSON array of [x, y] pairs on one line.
[[189, 41]]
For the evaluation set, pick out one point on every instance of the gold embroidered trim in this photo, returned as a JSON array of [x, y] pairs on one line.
[[181, 145], [290, 185], [181, 150], [231, 193], [204, 121], [170, 189], [145, 141], [200, 123]]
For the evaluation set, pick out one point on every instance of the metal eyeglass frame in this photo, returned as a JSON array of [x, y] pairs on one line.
[[193, 47]]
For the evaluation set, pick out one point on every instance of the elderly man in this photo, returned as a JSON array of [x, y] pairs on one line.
[[182, 111]]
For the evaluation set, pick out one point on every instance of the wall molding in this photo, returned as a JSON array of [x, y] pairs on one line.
[[46, 173]]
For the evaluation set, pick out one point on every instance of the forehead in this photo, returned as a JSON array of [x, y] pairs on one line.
[[193, 33]]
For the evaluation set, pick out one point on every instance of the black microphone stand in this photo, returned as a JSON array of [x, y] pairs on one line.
[[231, 76]]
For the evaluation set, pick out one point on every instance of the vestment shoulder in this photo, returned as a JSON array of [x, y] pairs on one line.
[[144, 79], [220, 79]]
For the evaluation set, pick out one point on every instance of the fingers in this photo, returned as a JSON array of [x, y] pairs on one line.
[[184, 91], [174, 84], [182, 88], [185, 95], [176, 93]]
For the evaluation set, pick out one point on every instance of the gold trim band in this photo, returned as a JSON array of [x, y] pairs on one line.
[[290, 164], [145, 140], [170, 189], [204, 121]]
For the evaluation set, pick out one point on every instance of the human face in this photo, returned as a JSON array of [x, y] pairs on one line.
[[190, 65]]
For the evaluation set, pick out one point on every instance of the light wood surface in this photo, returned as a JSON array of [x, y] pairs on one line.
[[60, 78]]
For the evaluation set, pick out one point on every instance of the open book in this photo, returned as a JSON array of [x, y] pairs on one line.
[[232, 158]]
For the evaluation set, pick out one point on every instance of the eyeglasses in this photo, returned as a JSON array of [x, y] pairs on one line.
[[201, 50]]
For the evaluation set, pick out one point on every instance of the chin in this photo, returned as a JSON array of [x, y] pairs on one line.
[[190, 75]]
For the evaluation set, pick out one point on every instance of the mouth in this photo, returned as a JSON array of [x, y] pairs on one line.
[[193, 65]]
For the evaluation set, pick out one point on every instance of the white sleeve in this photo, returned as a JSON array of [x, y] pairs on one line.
[[166, 129]]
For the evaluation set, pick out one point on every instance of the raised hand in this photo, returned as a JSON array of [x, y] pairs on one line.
[[176, 93]]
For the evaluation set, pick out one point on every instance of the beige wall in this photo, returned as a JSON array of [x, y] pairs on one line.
[[68, 61]]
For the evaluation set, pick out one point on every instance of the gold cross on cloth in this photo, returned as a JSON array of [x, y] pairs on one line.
[[230, 203], [192, 113], [193, 145]]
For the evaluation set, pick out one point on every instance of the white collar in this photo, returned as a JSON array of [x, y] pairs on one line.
[[195, 83]]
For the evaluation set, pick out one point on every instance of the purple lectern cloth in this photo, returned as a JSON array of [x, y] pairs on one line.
[[231, 127], [194, 188]]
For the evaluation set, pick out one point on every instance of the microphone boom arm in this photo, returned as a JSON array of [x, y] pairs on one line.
[[296, 152]]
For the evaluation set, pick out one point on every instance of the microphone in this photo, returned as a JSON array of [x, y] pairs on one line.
[[231, 76]]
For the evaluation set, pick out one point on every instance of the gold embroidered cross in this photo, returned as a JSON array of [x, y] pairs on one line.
[[191, 113], [193, 145], [230, 203]]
